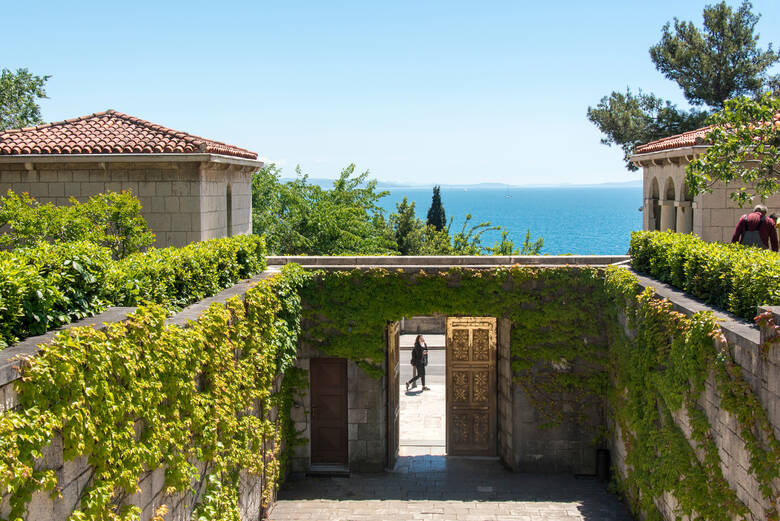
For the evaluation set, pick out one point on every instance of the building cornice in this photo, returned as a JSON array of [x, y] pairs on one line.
[[671, 156], [131, 158]]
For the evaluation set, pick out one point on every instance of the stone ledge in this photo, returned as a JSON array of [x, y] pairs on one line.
[[193, 312], [733, 327], [442, 261], [29, 346]]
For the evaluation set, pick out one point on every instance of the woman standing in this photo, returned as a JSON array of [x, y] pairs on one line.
[[419, 361]]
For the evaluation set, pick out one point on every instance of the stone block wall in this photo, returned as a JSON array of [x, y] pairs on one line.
[[366, 418], [74, 476], [182, 202], [715, 215], [762, 373]]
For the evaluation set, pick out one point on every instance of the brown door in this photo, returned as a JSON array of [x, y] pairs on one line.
[[328, 411], [393, 390], [471, 386]]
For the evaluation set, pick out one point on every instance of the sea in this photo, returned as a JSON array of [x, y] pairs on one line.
[[590, 220]]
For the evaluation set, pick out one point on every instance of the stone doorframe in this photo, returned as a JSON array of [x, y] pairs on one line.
[[504, 398]]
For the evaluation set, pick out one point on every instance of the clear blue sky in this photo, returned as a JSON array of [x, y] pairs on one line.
[[444, 92]]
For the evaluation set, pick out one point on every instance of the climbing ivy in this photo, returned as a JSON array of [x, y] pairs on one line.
[[139, 396], [659, 375], [558, 341]]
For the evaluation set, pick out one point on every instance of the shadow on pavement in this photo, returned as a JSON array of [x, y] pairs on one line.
[[442, 478]]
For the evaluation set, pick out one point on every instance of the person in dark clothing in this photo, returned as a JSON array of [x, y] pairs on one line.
[[756, 229], [419, 361]]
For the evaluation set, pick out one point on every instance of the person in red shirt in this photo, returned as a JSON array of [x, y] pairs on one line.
[[756, 229]]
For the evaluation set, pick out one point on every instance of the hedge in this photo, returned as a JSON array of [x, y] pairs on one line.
[[732, 277], [176, 277], [49, 285]]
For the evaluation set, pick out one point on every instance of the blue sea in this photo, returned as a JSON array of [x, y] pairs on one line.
[[594, 220]]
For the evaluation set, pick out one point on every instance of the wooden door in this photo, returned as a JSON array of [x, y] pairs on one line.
[[328, 387], [471, 386], [393, 390]]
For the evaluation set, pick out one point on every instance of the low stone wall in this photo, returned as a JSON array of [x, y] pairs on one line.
[[762, 374], [74, 475]]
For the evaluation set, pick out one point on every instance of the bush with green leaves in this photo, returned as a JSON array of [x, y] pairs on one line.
[[52, 284], [730, 276], [49, 285], [176, 277], [111, 219]]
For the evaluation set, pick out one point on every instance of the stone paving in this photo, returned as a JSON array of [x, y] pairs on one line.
[[442, 488], [427, 485], [423, 413]]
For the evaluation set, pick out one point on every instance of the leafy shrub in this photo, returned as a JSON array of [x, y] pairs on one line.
[[49, 285], [111, 219], [52, 284], [730, 276], [176, 277]]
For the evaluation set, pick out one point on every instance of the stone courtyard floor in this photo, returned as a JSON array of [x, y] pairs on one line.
[[427, 485], [442, 488]]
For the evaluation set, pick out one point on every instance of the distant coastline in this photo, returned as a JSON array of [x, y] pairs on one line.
[[382, 185]]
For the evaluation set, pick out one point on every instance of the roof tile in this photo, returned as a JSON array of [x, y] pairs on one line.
[[110, 132], [686, 139]]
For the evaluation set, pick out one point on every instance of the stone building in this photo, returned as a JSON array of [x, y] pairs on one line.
[[191, 188], [667, 203]]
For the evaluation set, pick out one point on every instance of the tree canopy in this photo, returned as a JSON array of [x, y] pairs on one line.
[[711, 65], [745, 147], [436, 216], [19, 92], [299, 218]]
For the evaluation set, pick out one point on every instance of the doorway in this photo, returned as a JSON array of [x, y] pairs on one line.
[[328, 381], [458, 415]]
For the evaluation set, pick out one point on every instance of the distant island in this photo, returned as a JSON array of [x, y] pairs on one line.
[[383, 185]]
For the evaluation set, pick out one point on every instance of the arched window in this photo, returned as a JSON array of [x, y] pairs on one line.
[[685, 210], [668, 210], [655, 206], [229, 210]]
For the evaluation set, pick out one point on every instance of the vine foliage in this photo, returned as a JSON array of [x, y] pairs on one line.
[[140, 396]]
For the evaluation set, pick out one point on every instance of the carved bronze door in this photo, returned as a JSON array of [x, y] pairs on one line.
[[471, 386], [393, 390]]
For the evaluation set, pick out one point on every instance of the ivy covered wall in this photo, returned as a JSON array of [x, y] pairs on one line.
[[597, 359]]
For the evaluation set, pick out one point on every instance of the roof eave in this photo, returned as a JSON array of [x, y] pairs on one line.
[[136, 158], [648, 158]]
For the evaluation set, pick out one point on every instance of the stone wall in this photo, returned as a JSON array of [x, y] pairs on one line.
[[366, 418], [714, 215], [182, 202], [763, 376], [73, 476]]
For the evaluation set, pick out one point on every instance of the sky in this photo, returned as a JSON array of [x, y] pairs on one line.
[[416, 92]]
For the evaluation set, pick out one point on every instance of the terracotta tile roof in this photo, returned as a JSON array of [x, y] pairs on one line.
[[110, 132], [686, 139]]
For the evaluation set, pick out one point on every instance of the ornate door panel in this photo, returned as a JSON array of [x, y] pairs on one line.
[[393, 390], [471, 386], [328, 384]]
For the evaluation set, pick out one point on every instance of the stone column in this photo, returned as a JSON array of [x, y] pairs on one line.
[[684, 217], [668, 215]]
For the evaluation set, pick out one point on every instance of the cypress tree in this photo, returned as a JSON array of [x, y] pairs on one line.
[[436, 211]]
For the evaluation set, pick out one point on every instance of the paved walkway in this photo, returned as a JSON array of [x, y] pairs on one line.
[[423, 413], [452, 489]]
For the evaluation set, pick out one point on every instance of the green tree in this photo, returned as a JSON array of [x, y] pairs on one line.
[[19, 92], [436, 216], [506, 246], [745, 149], [112, 220], [628, 120], [407, 228], [719, 62], [711, 65], [299, 218]]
